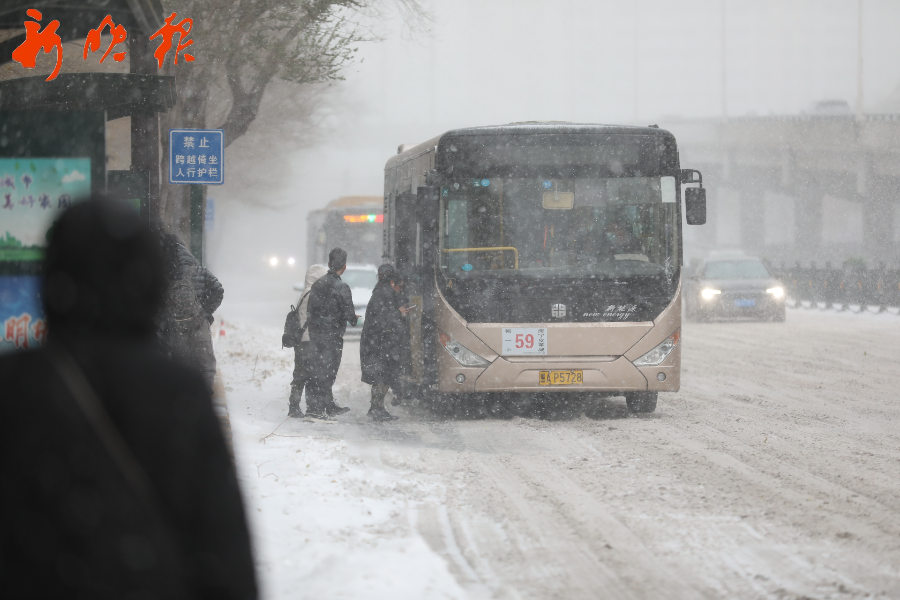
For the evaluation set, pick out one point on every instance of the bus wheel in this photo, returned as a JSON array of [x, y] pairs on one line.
[[641, 402]]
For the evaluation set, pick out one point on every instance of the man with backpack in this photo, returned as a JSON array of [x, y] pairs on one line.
[[192, 296], [296, 336], [330, 310]]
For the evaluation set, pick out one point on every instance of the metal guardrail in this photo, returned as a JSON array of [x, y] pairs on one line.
[[855, 289]]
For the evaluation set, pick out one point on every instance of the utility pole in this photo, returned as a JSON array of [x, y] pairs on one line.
[[859, 60]]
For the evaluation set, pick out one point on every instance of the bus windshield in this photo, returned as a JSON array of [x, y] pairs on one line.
[[591, 226]]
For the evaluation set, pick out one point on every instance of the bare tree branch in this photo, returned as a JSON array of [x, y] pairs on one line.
[[242, 46]]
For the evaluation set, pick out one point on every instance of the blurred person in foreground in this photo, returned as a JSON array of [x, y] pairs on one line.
[[192, 296], [302, 351], [115, 481], [330, 310], [385, 340]]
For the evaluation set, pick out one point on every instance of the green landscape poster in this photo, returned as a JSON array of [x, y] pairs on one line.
[[33, 191]]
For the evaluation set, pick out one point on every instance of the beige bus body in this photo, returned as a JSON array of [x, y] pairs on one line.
[[603, 351]]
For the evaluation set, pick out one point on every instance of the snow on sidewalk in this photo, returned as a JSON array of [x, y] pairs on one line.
[[326, 522]]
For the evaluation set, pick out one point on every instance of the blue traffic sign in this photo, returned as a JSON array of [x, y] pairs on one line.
[[196, 156]]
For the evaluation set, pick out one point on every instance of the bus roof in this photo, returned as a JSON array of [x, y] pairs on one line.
[[531, 127], [349, 201]]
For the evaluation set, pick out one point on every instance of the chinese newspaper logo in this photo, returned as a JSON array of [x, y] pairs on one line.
[[37, 39], [168, 32], [92, 42]]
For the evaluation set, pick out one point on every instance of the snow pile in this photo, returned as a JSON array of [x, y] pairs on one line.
[[327, 521]]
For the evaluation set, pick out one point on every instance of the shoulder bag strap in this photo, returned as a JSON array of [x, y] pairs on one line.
[[100, 421], [299, 303], [302, 298]]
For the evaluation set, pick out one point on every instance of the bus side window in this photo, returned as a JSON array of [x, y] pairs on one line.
[[405, 233]]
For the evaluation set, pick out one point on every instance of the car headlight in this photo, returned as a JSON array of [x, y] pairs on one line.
[[709, 293], [659, 354], [777, 292], [460, 353]]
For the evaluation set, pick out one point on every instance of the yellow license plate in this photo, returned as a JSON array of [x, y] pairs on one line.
[[561, 377]]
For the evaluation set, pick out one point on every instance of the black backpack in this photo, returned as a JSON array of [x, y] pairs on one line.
[[293, 332]]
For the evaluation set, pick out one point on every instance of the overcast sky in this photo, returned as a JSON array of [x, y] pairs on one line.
[[606, 61]]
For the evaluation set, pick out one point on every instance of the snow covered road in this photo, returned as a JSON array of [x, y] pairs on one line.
[[774, 473]]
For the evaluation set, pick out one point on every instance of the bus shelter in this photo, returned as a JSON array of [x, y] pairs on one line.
[[53, 145]]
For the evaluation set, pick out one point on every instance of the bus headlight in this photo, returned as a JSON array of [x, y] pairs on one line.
[[659, 354], [460, 353], [777, 292], [709, 293]]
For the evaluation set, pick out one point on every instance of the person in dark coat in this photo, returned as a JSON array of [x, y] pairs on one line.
[[385, 340], [115, 481], [184, 322], [330, 310]]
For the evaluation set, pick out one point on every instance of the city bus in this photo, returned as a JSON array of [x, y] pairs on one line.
[[353, 223], [543, 258]]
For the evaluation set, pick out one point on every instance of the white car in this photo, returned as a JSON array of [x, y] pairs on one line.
[[362, 279]]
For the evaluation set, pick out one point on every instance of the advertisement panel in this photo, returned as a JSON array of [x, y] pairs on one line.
[[33, 191], [22, 324]]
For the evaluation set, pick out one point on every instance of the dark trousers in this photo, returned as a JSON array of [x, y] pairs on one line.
[[324, 362], [300, 379], [379, 391]]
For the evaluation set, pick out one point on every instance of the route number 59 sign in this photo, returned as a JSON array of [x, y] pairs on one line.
[[524, 341]]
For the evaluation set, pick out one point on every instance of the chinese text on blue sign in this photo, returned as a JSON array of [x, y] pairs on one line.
[[196, 156]]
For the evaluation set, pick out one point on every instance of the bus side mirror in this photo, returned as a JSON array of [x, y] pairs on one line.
[[691, 176], [695, 206]]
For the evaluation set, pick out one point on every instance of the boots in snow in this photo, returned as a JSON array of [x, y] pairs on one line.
[[294, 409], [380, 413], [377, 411], [334, 410]]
